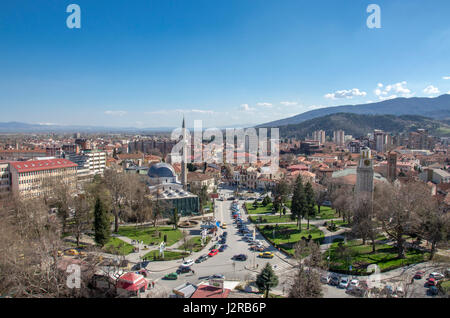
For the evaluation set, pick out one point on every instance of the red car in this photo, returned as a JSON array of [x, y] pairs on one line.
[[419, 274], [213, 252], [431, 282]]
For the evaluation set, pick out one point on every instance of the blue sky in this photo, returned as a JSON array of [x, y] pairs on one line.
[[145, 63]]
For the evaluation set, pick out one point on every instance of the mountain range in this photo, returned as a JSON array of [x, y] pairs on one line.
[[359, 125], [438, 108]]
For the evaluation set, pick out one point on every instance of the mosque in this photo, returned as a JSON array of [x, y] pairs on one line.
[[164, 185]]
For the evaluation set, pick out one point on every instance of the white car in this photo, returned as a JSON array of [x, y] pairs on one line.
[[344, 282], [437, 275], [187, 263], [354, 283]]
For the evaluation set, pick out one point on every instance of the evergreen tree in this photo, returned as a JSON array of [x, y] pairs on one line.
[[298, 201], [102, 227], [266, 279], [175, 218], [310, 200]]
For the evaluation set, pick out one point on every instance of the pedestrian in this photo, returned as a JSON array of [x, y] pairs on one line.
[[183, 258], [193, 272], [153, 284]]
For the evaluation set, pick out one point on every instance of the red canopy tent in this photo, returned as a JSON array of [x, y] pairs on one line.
[[132, 282]]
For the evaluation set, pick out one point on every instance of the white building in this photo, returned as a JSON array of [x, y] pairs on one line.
[[89, 163]]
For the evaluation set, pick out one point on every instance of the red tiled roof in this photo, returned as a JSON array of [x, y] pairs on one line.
[[206, 291], [38, 165]]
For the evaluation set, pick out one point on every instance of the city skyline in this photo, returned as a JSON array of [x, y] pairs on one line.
[[228, 64]]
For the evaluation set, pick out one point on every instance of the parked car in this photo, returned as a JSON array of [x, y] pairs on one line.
[[217, 276], [325, 279], [240, 257], [187, 263], [326, 203], [213, 252], [266, 255], [223, 248], [430, 282], [419, 274], [223, 226], [354, 283], [201, 259], [334, 280], [344, 282], [171, 276], [257, 248], [71, 252], [437, 276], [433, 291]]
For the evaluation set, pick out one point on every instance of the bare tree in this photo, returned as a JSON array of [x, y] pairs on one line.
[[82, 217], [116, 184], [364, 224]]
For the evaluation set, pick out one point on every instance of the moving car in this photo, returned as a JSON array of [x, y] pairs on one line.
[[171, 276], [223, 226], [187, 263], [344, 282], [257, 248], [266, 255], [213, 252], [201, 259], [183, 269], [240, 257]]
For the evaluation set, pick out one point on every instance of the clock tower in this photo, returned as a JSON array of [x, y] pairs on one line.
[[364, 174]]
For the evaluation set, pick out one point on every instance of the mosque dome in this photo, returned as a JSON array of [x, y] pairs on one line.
[[161, 170]]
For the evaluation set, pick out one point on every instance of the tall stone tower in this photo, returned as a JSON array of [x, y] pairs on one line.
[[392, 166], [364, 174], [184, 158]]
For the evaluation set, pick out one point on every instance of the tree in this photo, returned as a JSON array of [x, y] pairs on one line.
[[255, 204], [101, 224], [432, 223], [364, 224], [116, 184], [306, 282], [203, 197], [266, 279], [310, 201], [320, 196], [280, 193], [266, 201], [396, 208], [174, 218], [298, 201], [82, 217]]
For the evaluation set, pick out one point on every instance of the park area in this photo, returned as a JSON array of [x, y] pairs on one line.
[[286, 236], [151, 235], [118, 247], [168, 255], [359, 256]]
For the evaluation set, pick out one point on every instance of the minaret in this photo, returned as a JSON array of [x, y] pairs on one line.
[[364, 174], [184, 159]]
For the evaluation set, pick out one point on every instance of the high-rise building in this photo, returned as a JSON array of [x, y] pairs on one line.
[[420, 140], [319, 135], [380, 140], [339, 137]]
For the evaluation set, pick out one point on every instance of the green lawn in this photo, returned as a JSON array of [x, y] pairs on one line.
[[196, 242], [271, 218], [445, 287], [260, 209], [360, 256], [326, 213], [287, 235], [118, 247], [147, 234], [168, 255]]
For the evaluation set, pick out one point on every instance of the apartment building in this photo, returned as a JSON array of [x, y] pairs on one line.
[[33, 178], [89, 162], [5, 179]]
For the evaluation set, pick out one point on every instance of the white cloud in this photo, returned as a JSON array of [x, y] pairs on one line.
[[431, 90], [201, 111], [289, 103], [264, 104], [116, 112], [446, 77], [349, 94], [392, 91], [246, 108]]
